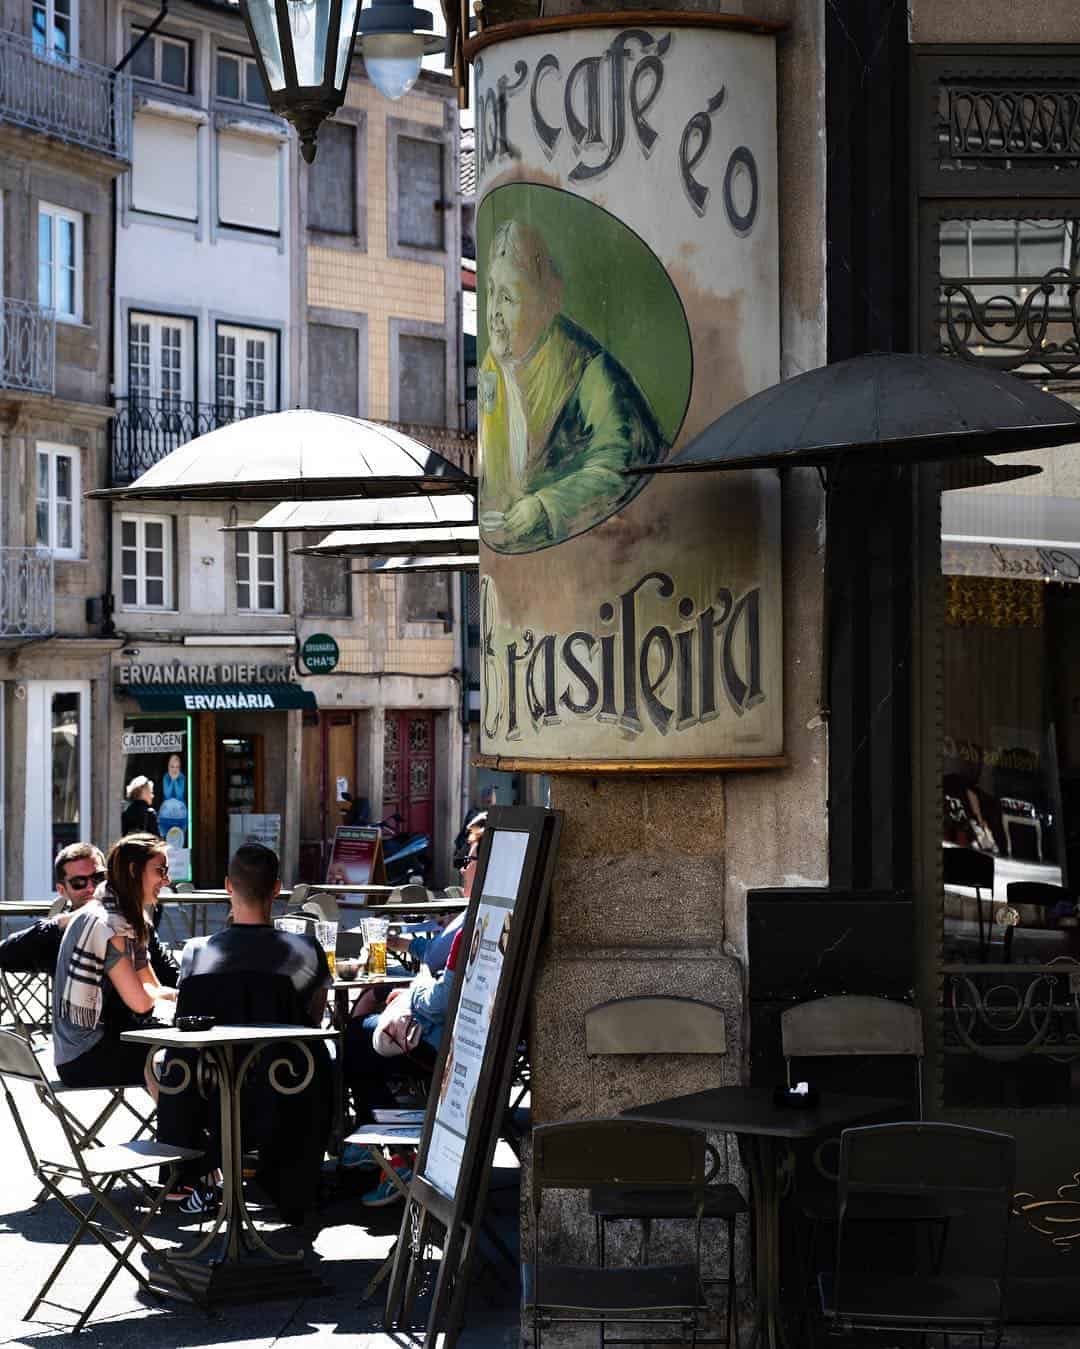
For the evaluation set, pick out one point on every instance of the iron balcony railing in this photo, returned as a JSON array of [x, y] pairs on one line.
[[26, 592], [145, 430], [81, 103], [27, 346]]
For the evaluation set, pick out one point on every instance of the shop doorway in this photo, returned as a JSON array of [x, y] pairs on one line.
[[409, 770], [57, 780], [329, 768]]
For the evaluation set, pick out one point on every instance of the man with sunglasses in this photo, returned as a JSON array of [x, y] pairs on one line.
[[78, 870]]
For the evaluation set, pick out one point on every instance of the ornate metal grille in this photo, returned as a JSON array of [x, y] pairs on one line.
[[1011, 123], [146, 429], [82, 103], [27, 346], [26, 592]]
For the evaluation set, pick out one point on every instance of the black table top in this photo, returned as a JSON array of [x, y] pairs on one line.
[[750, 1110]]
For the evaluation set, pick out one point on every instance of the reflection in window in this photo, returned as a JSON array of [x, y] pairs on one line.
[[1011, 781], [65, 770]]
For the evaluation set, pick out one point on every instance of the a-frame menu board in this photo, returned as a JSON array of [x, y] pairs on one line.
[[471, 1083]]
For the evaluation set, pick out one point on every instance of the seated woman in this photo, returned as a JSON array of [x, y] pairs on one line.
[[104, 980]]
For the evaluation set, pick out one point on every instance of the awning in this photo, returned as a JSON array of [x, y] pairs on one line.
[[221, 697]]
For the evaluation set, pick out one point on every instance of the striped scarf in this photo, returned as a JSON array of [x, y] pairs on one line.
[[82, 991]]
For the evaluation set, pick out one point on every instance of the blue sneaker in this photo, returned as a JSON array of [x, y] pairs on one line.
[[386, 1192], [355, 1157]]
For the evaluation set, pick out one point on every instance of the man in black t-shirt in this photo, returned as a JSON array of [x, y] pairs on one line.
[[247, 974]]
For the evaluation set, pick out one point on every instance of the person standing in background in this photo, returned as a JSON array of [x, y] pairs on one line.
[[139, 815]]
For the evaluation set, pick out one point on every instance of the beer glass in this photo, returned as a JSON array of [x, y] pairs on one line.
[[326, 933], [375, 930]]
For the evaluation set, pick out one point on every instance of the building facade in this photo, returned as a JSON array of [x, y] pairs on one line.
[[65, 141]]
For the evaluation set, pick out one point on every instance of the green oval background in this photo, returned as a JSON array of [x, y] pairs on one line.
[[614, 285]]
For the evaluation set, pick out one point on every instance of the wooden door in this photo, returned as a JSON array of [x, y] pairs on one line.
[[327, 754], [409, 769]]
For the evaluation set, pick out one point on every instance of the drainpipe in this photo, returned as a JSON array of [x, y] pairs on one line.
[[155, 24]]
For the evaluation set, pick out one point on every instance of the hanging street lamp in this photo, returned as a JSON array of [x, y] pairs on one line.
[[394, 36], [304, 50]]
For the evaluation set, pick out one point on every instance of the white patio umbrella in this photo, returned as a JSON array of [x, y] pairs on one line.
[[296, 455], [448, 541], [398, 566], [426, 512]]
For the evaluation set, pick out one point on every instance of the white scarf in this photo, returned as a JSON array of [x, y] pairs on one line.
[[82, 992]]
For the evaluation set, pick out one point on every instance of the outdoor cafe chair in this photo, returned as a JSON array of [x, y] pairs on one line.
[[664, 1025], [879, 1284], [26, 1002], [584, 1154], [98, 1170]]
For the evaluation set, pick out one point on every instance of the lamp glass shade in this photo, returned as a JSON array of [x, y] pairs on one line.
[[392, 61]]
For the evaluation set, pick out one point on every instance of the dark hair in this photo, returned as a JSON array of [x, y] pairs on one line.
[[254, 871], [127, 861], [75, 852]]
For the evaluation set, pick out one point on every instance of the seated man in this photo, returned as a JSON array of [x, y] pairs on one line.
[[78, 870], [245, 974], [433, 948]]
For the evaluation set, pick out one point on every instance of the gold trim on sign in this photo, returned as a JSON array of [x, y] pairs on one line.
[[624, 18], [614, 767]]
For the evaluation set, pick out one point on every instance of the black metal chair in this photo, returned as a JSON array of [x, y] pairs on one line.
[[960, 1287], [1037, 894], [975, 870], [97, 1170], [580, 1155]]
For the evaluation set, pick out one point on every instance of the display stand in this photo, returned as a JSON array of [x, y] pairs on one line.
[[357, 856], [471, 1084]]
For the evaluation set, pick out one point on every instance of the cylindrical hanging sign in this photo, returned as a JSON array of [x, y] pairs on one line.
[[628, 295]]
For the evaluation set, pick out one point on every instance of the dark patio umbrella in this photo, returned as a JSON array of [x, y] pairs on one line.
[[299, 456], [890, 407], [459, 540], [433, 511]]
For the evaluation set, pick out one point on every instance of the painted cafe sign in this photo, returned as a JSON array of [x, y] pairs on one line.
[[628, 294]]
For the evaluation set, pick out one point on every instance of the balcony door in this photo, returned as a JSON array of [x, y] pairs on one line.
[[57, 777], [160, 413]]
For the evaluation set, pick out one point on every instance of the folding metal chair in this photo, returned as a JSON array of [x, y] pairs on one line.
[[581, 1155], [98, 1170], [26, 1002]]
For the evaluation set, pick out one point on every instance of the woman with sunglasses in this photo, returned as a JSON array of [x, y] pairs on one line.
[[104, 980]]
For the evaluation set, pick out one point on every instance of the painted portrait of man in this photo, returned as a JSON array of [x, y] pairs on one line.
[[559, 417]]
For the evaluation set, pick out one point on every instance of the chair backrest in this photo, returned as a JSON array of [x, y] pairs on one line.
[[850, 1025], [968, 866], [57, 907], [299, 894], [17, 1059], [968, 1172], [1040, 893], [409, 894], [349, 943], [323, 906], [655, 1025], [184, 888], [579, 1154]]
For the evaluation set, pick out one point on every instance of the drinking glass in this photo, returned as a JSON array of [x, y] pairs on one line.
[[375, 930], [327, 938]]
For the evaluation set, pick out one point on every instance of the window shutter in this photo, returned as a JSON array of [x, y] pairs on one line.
[[248, 174], [164, 175], [422, 381]]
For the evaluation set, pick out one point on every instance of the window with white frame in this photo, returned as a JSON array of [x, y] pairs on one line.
[[249, 175], [58, 499], [246, 371], [260, 573], [165, 166], [162, 59], [160, 359], [146, 568], [55, 28], [60, 263], [239, 81]]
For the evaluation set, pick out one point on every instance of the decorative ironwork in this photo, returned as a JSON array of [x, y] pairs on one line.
[[419, 735], [26, 592], [1005, 1013], [391, 735], [1057, 1218], [1011, 123], [390, 780], [1036, 336], [80, 102], [146, 430], [459, 447], [27, 346], [419, 779]]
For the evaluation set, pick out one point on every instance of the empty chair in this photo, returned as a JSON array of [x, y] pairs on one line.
[[974, 869], [657, 1024], [322, 905], [1038, 894], [581, 1155], [959, 1286], [97, 1170]]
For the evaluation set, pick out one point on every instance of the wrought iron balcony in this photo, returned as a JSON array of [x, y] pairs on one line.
[[81, 103], [26, 593], [145, 430], [27, 346], [457, 446]]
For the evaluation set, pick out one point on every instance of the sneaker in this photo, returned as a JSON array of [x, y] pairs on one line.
[[203, 1199], [386, 1192], [355, 1157]]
